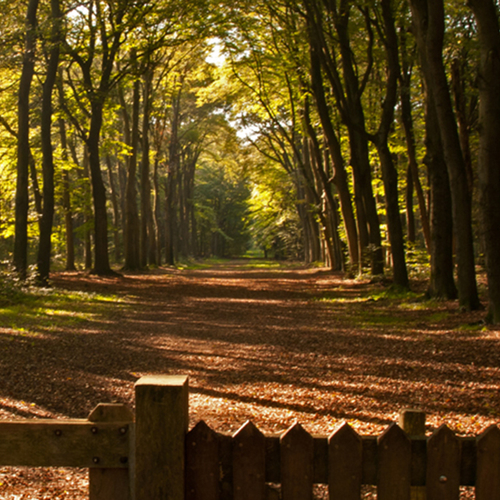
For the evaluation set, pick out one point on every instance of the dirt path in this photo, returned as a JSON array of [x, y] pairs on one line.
[[270, 346]]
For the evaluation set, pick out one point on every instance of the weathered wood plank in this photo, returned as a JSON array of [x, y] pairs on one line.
[[443, 465], [297, 455], [113, 483], [488, 465], [273, 459], [249, 467], [202, 463], [413, 423], [394, 465], [64, 443], [345, 464], [160, 430], [370, 458]]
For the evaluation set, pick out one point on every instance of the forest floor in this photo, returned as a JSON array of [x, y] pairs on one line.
[[273, 345]]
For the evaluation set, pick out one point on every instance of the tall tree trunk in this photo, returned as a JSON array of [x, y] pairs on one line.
[[407, 122], [66, 201], [132, 228], [486, 14], [20, 258], [410, 214], [429, 23], [171, 183], [116, 209], [339, 174], [380, 139], [156, 211], [354, 117], [458, 87], [101, 255], [87, 221], [44, 249], [441, 283], [313, 163], [148, 236]]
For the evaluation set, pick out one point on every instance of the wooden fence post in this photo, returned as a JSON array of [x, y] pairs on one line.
[[413, 423], [160, 429], [111, 484]]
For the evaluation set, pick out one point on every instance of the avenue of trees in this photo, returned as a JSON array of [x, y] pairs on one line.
[[356, 133]]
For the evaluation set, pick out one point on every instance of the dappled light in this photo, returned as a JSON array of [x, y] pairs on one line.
[[275, 347]]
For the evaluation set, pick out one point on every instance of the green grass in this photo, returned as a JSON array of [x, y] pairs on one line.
[[29, 309]]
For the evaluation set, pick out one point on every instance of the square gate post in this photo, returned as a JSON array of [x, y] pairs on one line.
[[162, 418]]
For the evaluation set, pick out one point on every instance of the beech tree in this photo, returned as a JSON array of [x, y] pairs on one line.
[[486, 13], [429, 25], [20, 258], [46, 221]]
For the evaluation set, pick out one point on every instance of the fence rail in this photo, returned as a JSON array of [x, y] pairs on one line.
[[155, 457]]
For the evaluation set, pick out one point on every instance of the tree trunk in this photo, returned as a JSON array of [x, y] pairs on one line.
[[458, 85], [20, 258], [171, 184], [390, 179], [148, 236], [355, 121], [441, 283], [380, 139], [88, 211], [101, 256], [339, 174], [132, 229], [66, 201], [429, 23], [44, 249], [410, 215], [116, 209], [407, 121], [156, 212], [486, 15]]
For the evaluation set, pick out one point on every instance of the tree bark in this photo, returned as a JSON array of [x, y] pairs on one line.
[[413, 174], [441, 283], [66, 201], [101, 255], [380, 139], [339, 174], [148, 236], [171, 183], [354, 117], [486, 15], [20, 258], [116, 209], [429, 22], [132, 227], [44, 249]]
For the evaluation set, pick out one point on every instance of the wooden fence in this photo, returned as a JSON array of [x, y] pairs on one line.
[[155, 457]]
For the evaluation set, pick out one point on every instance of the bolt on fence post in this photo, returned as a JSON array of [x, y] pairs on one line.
[[413, 423], [162, 417], [112, 483]]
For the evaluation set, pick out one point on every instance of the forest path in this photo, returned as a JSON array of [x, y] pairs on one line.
[[270, 345]]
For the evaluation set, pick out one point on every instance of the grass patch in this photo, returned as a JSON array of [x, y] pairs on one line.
[[27, 309]]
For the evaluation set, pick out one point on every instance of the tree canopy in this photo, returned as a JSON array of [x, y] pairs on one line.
[[352, 133]]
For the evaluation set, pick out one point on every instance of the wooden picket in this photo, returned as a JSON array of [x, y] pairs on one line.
[[297, 454], [345, 463], [488, 464], [394, 477], [249, 464]]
